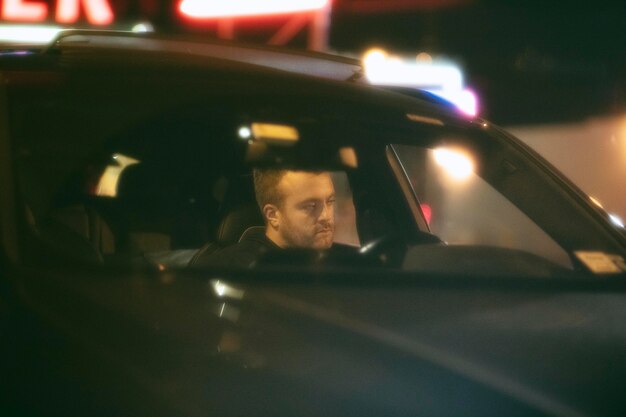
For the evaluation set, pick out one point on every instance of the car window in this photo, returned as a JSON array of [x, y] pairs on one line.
[[461, 208], [155, 175], [153, 192], [345, 215]]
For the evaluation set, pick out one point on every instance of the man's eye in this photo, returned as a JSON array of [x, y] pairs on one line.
[[331, 201]]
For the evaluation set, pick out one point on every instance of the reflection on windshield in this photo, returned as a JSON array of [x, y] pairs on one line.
[[464, 209], [455, 163]]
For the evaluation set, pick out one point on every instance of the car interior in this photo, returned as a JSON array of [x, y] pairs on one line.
[[163, 194], [171, 188]]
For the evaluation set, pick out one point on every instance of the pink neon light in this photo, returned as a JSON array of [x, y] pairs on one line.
[[203, 9], [98, 12], [428, 212], [23, 10]]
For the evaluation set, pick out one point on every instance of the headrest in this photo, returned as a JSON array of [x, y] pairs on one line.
[[252, 232], [236, 221], [147, 186]]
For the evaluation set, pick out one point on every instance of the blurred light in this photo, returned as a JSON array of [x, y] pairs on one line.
[[424, 119], [394, 60], [367, 247], [465, 100], [107, 185], [28, 34], [98, 12], [442, 78], [468, 102], [143, 27], [124, 160], [5, 53], [428, 212], [224, 290], [457, 164], [220, 289], [394, 71], [616, 220], [203, 9], [374, 55], [22, 10], [275, 133], [424, 57], [596, 202], [244, 132], [348, 158]]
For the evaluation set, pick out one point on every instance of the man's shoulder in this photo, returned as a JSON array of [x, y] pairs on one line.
[[252, 244]]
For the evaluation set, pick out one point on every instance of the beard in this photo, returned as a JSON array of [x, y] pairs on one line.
[[318, 237], [323, 237]]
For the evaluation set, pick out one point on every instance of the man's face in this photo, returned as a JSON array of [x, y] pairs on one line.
[[305, 217]]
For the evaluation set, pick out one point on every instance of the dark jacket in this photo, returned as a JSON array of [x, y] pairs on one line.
[[252, 245]]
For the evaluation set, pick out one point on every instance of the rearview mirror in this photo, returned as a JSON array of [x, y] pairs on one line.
[[276, 145]]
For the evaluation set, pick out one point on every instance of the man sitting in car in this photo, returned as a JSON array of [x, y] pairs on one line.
[[298, 210]]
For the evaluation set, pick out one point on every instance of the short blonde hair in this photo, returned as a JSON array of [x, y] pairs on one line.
[[266, 186]]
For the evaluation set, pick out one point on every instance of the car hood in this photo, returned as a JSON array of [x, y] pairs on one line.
[[188, 346]]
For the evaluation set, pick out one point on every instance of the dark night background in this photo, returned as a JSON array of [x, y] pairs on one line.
[[529, 62]]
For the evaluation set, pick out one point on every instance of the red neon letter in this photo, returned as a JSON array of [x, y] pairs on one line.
[[21, 10], [98, 11]]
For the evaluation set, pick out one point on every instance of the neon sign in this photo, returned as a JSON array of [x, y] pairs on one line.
[[101, 12], [293, 16], [205, 9], [97, 12]]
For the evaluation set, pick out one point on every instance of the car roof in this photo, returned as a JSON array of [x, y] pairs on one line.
[[311, 63], [305, 62], [112, 49]]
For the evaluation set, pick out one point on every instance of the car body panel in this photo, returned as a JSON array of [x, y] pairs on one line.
[[432, 346]]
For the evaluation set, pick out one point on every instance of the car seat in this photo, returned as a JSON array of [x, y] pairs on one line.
[[75, 232], [237, 213]]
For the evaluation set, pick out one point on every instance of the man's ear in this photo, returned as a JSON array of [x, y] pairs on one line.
[[271, 215]]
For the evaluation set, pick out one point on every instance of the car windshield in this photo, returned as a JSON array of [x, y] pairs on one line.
[[132, 170], [462, 208]]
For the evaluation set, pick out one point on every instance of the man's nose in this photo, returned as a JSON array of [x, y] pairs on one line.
[[326, 213]]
